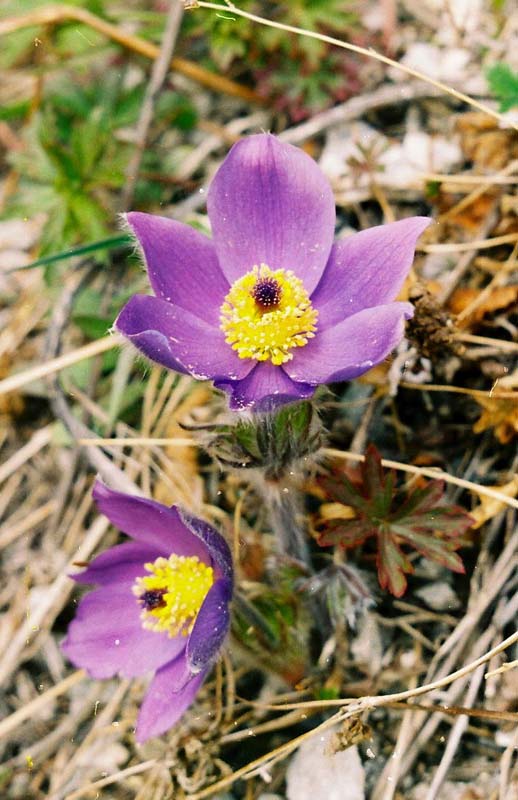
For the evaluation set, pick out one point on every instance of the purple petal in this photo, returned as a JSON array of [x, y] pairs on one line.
[[270, 203], [210, 628], [178, 340], [120, 564], [265, 388], [181, 264], [352, 347], [163, 705], [149, 522], [218, 548], [106, 636], [366, 269]]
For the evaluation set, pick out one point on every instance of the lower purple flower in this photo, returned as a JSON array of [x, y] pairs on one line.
[[162, 605], [269, 308]]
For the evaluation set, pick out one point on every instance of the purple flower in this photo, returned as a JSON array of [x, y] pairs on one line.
[[270, 308], [162, 605]]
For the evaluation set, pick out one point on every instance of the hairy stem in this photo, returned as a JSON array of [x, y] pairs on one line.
[[287, 519]]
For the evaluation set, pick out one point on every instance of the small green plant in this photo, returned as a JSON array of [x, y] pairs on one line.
[[66, 41], [74, 160], [299, 75], [272, 624], [72, 163], [395, 519], [503, 83]]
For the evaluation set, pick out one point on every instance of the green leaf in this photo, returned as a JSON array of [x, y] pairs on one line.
[[74, 40], [327, 693], [347, 533], [177, 109], [72, 163], [342, 490], [431, 547], [87, 145], [93, 327], [246, 436], [503, 82], [91, 219], [120, 384], [15, 110], [433, 189], [253, 622], [127, 109], [103, 244], [272, 623], [392, 564]]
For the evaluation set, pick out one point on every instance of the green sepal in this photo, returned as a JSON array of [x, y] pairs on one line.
[[272, 441]]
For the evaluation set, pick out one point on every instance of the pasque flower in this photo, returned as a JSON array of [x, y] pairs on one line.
[[269, 308], [162, 605]]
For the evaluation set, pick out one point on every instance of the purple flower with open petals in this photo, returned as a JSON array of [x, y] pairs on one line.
[[270, 308], [162, 605]]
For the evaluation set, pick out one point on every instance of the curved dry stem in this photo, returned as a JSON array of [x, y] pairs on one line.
[[94, 348], [363, 51], [352, 708], [463, 247], [55, 14], [429, 472]]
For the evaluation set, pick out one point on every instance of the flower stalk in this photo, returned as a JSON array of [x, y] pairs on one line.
[[287, 518], [273, 446]]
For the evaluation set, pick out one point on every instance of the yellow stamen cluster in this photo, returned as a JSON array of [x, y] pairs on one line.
[[172, 594], [270, 328]]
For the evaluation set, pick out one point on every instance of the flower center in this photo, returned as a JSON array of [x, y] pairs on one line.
[[172, 594], [266, 314], [267, 293]]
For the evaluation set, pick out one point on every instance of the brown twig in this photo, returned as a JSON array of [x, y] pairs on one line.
[[56, 14], [8, 724], [94, 348], [158, 75], [429, 473], [352, 709], [356, 107], [455, 737]]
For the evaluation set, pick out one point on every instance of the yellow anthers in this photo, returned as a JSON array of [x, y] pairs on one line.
[[172, 594], [266, 314]]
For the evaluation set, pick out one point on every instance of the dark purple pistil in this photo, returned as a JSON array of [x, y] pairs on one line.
[[267, 293], [153, 598]]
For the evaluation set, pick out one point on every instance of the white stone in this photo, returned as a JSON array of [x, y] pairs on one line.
[[367, 647], [445, 63], [315, 773], [418, 153], [439, 596]]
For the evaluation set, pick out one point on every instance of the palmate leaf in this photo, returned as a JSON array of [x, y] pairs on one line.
[[349, 533], [416, 520], [392, 563], [439, 550]]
